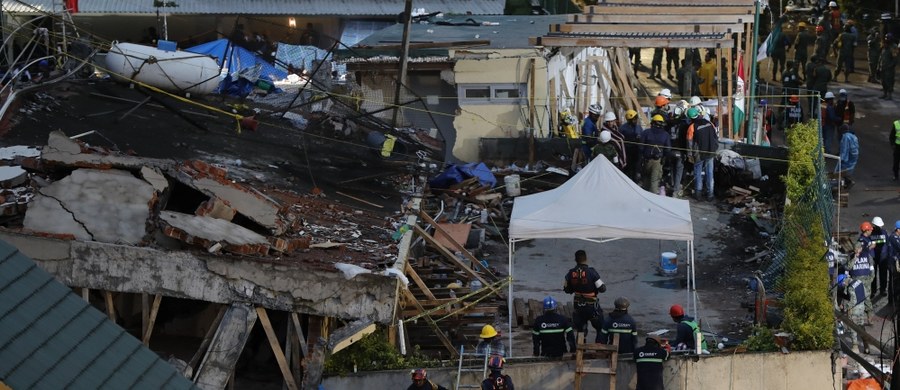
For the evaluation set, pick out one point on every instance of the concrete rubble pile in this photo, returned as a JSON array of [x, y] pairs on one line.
[[73, 191]]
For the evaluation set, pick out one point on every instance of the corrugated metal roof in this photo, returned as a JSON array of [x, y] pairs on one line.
[[52, 339], [269, 7]]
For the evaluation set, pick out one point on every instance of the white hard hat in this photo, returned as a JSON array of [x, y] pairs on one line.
[[609, 116], [877, 221], [829, 95], [595, 109], [832, 4], [695, 101], [665, 92], [605, 136], [842, 92]]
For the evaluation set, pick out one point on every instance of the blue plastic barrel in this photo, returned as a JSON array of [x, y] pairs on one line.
[[668, 263]]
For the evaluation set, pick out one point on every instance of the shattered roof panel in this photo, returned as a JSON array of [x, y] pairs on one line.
[[50, 338], [269, 7]]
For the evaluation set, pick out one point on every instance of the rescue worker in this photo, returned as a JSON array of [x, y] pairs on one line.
[[849, 152], [619, 322], [851, 298], [707, 75], [845, 108], [861, 267], [606, 148], [894, 141], [662, 106], [611, 124], [688, 79], [833, 16], [584, 282], [780, 44], [678, 128], [656, 64], [887, 63], [821, 77], [688, 331], [551, 332], [820, 49], [703, 143], [801, 47], [649, 363], [590, 130], [793, 113], [808, 71], [843, 48], [790, 80], [632, 131], [880, 275], [671, 61], [490, 343], [892, 252], [768, 118], [655, 145], [873, 44], [830, 120], [421, 382], [497, 380]]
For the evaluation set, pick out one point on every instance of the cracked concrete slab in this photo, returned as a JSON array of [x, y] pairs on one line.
[[103, 205], [155, 178], [12, 176], [211, 229], [63, 151]]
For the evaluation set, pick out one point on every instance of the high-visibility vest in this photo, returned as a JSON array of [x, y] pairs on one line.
[[897, 132]]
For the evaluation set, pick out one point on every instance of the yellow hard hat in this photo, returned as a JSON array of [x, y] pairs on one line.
[[801, 24], [487, 332], [630, 114], [658, 118]]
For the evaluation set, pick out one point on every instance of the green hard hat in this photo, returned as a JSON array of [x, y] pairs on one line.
[[693, 112]]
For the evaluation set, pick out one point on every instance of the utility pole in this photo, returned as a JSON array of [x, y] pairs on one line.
[[752, 57], [404, 54]]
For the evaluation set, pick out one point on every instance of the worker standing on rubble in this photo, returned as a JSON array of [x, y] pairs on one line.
[[421, 382], [851, 298], [892, 252], [894, 141], [655, 144], [880, 275], [551, 332], [688, 330], [861, 267], [649, 363], [801, 47], [490, 343], [611, 124], [584, 282], [619, 322], [497, 380], [849, 153], [590, 130], [632, 131], [703, 142], [606, 148]]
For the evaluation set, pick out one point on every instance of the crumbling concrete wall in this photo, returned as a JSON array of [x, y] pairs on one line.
[[299, 288]]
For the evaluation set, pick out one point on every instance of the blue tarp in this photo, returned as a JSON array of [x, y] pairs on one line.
[[300, 56], [237, 59], [457, 173]]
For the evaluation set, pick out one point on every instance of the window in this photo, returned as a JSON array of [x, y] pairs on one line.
[[491, 93]]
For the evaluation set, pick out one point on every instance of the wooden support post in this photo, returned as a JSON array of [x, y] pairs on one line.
[[226, 346], [86, 294], [434, 326], [719, 58], [276, 348], [110, 306], [532, 111], [207, 339], [554, 108], [298, 329], [145, 312], [457, 246], [314, 361], [152, 319], [748, 56], [292, 350], [349, 334], [729, 101], [449, 255], [419, 282]]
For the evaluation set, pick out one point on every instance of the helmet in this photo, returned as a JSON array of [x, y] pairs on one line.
[[695, 101], [661, 101], [795, 98], [801, 25], [549, 303], [495, 362], [877, 221], [487, 332], [609, 116], [676, 311], [841, 278], [693, 112], [829, 95], [897, 225], [655, 338], [763, 102], [419, 374], [866, 227], [658, 118], [605, 136], [630, 114], [665, 92], [842, 92], [595, 109], [622, 303], [820, 29], [832, 4]]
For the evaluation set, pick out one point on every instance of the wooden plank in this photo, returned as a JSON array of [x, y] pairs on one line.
[[554, 107], [151, 320], [86, 294], [110, 306], [645, 28], [452, 235], [226, 346], [418, 281], [729, 101], [314, 363], [145, 312], [449, 255], [687, 10], [596, 370], [207, 339], [276, 348], [434, 326], [656, 18], [520, 312], [349, 334], [553, 41], [304, 348]]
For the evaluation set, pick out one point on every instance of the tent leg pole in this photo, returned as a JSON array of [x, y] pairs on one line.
[[693, 280], [509, 298]]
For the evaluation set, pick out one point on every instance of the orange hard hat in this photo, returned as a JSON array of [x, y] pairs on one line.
[[661, 101], [795, 98], [866, 226], [676, 311]]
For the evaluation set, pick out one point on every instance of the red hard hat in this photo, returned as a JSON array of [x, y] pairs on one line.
[[676, 311], [866, 227], [820, 29], [418, 374]]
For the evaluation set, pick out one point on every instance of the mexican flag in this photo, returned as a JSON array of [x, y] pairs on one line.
[[738, 111], [776, 37]]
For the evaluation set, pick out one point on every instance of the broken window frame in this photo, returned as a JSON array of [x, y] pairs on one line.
[[492, 97]]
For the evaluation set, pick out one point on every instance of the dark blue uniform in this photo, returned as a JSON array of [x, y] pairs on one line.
[[497, 381], [550, 333], [686, 329], [621, 323], [649, 365]]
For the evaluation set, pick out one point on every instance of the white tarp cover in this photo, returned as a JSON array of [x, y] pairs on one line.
[[600, 202]]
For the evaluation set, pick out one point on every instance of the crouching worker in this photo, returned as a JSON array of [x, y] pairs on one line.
[[420, 382], [497, 380]]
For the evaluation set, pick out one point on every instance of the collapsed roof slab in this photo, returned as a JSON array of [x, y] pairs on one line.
[[296, 287], [63, 151]]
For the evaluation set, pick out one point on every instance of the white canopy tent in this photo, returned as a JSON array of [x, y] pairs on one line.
[[601, 204]]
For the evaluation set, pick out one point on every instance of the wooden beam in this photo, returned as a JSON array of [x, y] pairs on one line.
[[145, 312], [676, 10], [429, 45], [86, 294], [678, 3], [276, 348], [349, 334], [655, 18], [110, 306], [449, 255], [656, 28], [226, 346], [207, 339], [304, 348], [314, 362], [456, 245], [555, 41], [418, 281], [434, 326], [729, 101], [151, 320]]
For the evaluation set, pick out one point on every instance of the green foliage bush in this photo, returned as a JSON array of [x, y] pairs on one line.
[[374, 353], [761, 339]]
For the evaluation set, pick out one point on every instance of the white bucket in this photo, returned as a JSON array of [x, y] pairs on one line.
[[512, 185], [668, 263]]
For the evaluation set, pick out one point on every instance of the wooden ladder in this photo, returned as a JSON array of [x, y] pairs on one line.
[[607, 351]]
